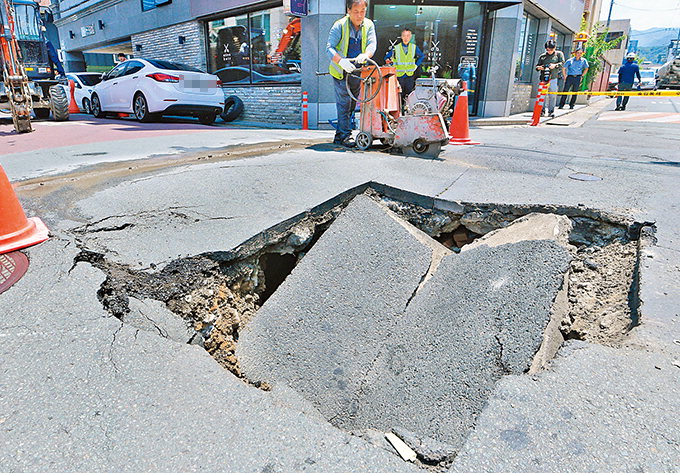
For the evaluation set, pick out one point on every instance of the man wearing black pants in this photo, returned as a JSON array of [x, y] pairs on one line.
[[574, 70]]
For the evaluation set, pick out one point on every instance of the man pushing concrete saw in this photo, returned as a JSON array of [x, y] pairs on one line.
[[351, 42]]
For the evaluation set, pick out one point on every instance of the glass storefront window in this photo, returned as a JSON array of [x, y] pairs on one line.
[[524, 69], [260, 47], [431, 26], [448, 33]]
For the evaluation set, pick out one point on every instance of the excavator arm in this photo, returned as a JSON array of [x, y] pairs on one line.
[[14, 76], [290, 33]]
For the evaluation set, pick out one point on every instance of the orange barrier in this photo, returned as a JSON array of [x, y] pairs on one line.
[[538, 106], [460, 122], [73, 105], [17, 231]]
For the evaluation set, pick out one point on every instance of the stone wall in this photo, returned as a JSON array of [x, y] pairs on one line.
[[274, 105], [163, 43], [522, 100]]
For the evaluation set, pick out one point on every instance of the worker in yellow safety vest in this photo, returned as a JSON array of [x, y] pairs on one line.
[[351, 42], [406, 58]]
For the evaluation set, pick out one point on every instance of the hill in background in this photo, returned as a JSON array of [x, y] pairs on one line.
[[653, 43]]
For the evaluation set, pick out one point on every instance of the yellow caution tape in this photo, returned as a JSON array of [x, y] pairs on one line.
[[616, 93]]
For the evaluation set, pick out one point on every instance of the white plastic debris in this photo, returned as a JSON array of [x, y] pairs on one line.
[[402, 449]]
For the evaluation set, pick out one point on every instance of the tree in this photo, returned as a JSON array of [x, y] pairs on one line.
[[595, 48]]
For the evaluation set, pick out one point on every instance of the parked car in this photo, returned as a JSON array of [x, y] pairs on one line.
[[84, 84], [648, 79], [613, 81], [150, 88], [261, 73]]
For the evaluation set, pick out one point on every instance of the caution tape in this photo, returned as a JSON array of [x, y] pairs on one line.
[[616, 93]]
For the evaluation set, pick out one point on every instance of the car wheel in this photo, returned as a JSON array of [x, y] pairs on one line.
[[87, 108], [207, 118], [96, 107], [141, 109]]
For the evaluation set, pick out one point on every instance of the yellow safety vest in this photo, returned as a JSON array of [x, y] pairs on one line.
[[405, 62], [343, 46]]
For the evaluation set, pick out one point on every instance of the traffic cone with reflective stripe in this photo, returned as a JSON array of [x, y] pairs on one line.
[[16, 231], [460, 123], [538, 106], [72, 105]]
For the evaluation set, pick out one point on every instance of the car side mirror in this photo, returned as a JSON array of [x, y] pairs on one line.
[[78, 86]]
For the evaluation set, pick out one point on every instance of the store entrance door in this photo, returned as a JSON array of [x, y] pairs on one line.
[[448, 34]]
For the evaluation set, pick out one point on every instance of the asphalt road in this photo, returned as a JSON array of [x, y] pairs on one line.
[[81, 391]]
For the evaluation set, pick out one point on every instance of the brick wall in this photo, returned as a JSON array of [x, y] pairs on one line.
[[275, 105], [522, 100], [163, 43]]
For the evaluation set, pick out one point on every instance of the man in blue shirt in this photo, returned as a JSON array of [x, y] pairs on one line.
[[351, 41], [574, 70], [627, 74], [407, 58]]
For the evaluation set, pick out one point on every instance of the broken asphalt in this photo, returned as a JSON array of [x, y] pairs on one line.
[[83, 391]]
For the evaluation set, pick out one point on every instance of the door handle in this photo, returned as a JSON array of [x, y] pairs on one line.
[[136, 77], [115, 83]]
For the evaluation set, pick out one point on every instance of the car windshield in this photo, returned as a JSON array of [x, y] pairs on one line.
[[172, 66], [647, 74], [90, 79]]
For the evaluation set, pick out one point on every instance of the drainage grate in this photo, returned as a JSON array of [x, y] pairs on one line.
[[13, 266]]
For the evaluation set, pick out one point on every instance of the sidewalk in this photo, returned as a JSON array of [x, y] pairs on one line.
[[524, 118]]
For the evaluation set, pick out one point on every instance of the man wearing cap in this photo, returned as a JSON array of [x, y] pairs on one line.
[[551, 62], [351, 41], [574, 70], [406, 57], [627, 74]]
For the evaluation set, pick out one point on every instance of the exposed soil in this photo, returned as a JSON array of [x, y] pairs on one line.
[[600, 285]]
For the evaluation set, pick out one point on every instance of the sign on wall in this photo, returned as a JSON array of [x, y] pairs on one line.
[[296, 7], [87, 30]]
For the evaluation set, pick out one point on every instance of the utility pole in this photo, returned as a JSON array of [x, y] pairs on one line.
[[609, 17]]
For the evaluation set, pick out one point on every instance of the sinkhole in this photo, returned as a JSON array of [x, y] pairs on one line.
[[394, 312]]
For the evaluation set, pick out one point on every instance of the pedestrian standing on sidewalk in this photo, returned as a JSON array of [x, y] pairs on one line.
[[551, 61], [627, 74], [407, 58], [351, 41], [574, 70]]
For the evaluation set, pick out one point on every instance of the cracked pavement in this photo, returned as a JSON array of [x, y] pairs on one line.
[[81, 391]]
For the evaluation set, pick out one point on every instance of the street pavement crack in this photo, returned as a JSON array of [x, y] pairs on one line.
[[111, 347], [454, 181]]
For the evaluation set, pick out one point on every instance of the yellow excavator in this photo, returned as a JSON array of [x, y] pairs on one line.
[[29, 83]]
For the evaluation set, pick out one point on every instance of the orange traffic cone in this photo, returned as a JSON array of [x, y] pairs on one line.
[[16, 231], [460, 123], [538, 106], [73, 105]]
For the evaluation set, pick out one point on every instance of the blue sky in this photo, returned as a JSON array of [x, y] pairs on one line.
[[645, 14]]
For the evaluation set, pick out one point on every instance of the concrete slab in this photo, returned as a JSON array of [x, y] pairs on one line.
[[481, 316], [534, 226], [82, 391], [615, 419], [325, 324]]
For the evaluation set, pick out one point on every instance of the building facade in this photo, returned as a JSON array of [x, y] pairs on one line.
[[267, 56], [617, 29]]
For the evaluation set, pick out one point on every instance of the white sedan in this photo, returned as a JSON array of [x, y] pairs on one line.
[[150, 88], [84, 83]]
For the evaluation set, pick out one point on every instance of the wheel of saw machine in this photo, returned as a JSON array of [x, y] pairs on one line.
[[363, 140], [420, 146], [374, 75]]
